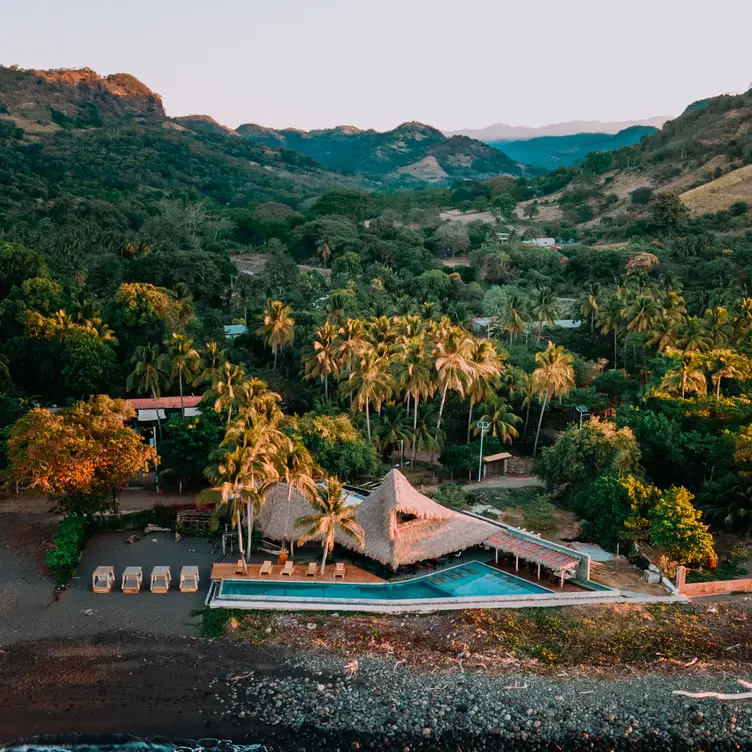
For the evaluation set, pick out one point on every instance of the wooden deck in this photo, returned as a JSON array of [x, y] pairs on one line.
[[226, 571]]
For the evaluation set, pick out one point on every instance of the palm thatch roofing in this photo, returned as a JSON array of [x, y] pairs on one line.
[[401, 525]]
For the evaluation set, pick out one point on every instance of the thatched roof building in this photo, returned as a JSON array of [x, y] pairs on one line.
[[401, 525]]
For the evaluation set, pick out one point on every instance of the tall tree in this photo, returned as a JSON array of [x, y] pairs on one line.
[[554, 377], [182, 360], [370, 384], [322, 361], [484, 378], [149, 375], [331, 514], [277, 327], [297, 471]]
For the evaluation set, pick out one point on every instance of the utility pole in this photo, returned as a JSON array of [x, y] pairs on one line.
[[483, 425]]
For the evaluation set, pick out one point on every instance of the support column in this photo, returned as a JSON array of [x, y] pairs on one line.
[[497, 556], [561, 584], [516, 563], [539, 571]]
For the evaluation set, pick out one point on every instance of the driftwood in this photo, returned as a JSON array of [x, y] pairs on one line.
[[719, 695]]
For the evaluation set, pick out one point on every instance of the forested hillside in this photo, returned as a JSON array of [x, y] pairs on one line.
[[550, 152], [389, 153]]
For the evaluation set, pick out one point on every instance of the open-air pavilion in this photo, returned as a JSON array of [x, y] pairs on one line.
[[540, 553]]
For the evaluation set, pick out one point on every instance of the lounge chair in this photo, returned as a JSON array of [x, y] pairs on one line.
[[311, 571], [133, 577], [288, 568], [339, 570], [160, 579], [241, 567], [103, 579], [266, 568], [189, 579]]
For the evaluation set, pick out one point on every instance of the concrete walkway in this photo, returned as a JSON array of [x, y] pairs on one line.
[[508, 481]]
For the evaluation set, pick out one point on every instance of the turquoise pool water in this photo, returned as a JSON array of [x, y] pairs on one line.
[[474, 579]]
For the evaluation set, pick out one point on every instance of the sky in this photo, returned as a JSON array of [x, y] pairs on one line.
[[377, 63]]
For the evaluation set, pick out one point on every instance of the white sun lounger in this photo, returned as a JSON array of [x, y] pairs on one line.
[[266, 568], [339, 570], [103, 579], [133, 577], [288, 568], [160, 579], [189, 579], [312, 567]]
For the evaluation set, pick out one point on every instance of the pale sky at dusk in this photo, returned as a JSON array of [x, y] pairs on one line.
[[377, 63]]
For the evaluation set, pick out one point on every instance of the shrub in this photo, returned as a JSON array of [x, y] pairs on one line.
[[540, 514], [451, 495], [69, 541]]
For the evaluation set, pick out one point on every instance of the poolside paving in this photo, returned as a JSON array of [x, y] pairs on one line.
[[353, 574]]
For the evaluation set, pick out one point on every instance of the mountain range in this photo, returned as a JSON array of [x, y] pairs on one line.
[[411, 150], [550, 152], [504, 132]]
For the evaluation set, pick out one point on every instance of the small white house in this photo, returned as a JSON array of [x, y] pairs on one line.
[[569, 323], [541, 242]]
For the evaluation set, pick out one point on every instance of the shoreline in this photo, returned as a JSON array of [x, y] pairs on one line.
[[192, 688]]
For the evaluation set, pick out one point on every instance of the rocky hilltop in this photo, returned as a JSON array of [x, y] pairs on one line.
[[43, 96]]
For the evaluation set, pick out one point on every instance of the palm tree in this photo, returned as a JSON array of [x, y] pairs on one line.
[[370, 384], [609, 318], [324, 251], [102, 330], [693, 336], [452, 353], [149, 375], [528, 389], [227, 389], [352, 343], [727, 364], [257, 435], [640, 313], [545, 309], [663, 334], [183, 304], [297, 470], [331, 514], [514, 317], [413, 373], [393, 427], [554, 377], [4, 367], [720, 329], [688, 376], [277, 327], [213, 359], [182, 360], [424, 438], [337, 305], [322, 361], [230, 490], [501, 420], [484, 378], [589, 305]]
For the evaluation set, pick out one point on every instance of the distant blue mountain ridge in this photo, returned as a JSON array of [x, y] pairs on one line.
[[550, 152]]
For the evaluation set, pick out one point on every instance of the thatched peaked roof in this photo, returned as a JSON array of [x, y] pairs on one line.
[[401, 525]]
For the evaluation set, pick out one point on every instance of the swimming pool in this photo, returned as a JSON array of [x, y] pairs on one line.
[[471, 580]]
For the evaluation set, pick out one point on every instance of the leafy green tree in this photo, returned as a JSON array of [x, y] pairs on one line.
[[188, 444], [676, 527], [580, 456]]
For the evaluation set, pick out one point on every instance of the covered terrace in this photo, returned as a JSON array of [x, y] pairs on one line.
[[538, 552]]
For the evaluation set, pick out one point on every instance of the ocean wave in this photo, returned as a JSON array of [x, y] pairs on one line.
[[124, 743]]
